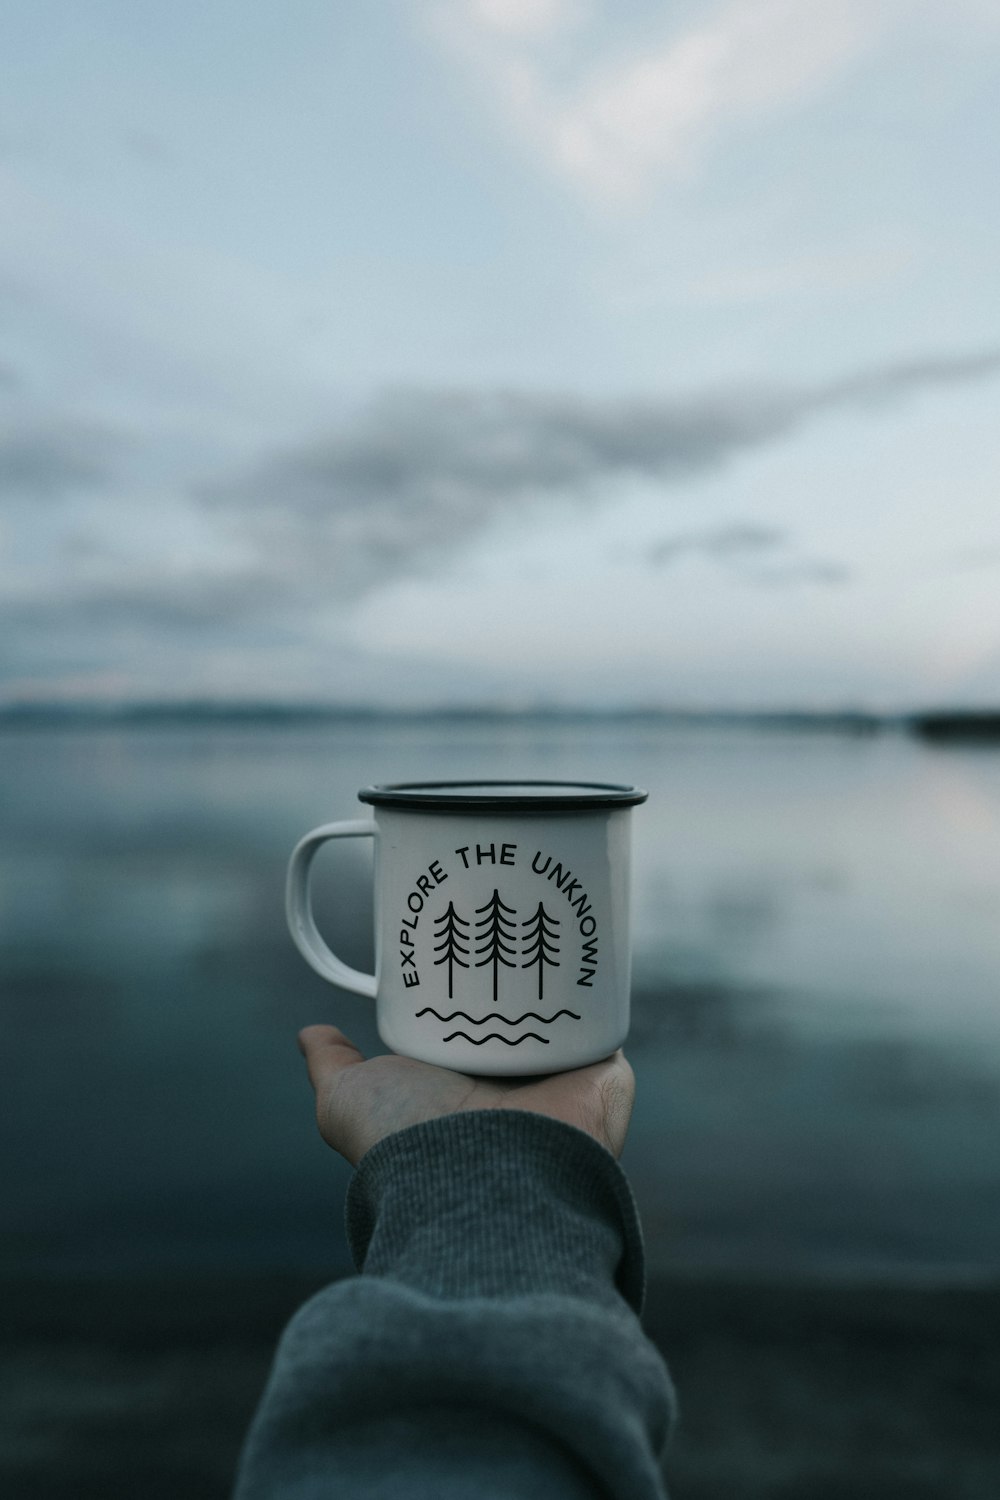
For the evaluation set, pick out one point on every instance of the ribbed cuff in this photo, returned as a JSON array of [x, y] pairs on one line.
[[495, 1203]]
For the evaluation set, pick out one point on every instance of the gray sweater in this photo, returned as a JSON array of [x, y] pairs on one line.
[[491, 1345]]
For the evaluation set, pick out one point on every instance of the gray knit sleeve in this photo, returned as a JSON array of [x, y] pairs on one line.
[[491, 1344]]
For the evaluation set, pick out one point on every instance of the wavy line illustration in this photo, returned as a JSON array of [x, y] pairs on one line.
[[494, 1036], [429, 1010]]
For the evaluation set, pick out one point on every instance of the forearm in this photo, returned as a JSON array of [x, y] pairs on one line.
[[491, 1345]]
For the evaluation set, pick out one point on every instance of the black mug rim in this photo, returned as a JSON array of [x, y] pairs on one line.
[[503, 796]]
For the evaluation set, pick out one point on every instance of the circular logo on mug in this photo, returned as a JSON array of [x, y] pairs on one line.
[[498, 940]]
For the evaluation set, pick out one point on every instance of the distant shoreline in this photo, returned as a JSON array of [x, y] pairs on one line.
[[935, 726]]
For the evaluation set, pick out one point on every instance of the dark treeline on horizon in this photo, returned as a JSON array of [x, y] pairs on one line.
[[935, 725]]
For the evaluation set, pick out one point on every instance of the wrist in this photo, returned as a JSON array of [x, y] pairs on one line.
[[496, 1202]]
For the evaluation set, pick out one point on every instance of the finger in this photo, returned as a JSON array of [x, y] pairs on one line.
[[622, 1069], [610, 1105], [327, 1052], [614, 1071], [618, 1097]]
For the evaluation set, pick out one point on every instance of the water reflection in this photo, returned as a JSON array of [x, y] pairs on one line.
[[816, 1029], [708, 1015]]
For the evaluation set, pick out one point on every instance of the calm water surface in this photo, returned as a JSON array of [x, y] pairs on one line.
[[816, 1032]]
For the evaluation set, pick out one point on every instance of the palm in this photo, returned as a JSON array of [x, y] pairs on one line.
[[359, 1102]]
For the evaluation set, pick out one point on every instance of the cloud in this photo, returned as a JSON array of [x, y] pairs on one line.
[[156, 629], [827, 273], [660, 111], [734, 539], [421, 474], [274, 559], [747, 543], [522, 18], [889, 382], [804, 570], [149, 600], [45, 459], [624, 120]]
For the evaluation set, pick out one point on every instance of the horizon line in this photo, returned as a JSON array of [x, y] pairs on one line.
[[209, 709]]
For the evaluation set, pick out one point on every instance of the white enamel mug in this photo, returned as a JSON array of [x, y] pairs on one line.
[[501, 921]]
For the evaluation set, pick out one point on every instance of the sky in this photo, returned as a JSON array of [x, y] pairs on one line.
[[508, 351]]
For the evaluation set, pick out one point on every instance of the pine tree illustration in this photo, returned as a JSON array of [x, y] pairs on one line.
[[452, 946], [541, 930], [498, 933]]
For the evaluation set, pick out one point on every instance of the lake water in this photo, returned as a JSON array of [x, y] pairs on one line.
[[817, 989]]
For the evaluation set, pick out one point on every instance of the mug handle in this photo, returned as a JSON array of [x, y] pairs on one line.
[[298, 907]]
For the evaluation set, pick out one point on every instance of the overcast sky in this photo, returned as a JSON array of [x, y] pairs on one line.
[[524, 350]]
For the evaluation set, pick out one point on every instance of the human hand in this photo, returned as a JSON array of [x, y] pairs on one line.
[[358, 1101]]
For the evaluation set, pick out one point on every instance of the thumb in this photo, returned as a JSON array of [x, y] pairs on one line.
[[327, 1052]]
